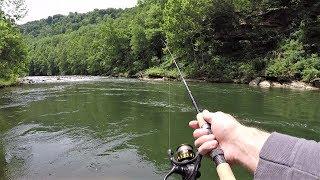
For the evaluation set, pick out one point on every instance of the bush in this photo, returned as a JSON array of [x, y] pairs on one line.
[[8, 81], [159, 72], [245, 72], [292, 62], [309, 68]]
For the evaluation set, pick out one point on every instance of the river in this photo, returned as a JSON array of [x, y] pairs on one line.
[[122, 128]]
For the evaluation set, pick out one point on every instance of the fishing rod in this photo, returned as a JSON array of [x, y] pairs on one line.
[[185, 161]]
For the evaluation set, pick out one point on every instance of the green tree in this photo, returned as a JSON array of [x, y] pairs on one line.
[[12, 52]]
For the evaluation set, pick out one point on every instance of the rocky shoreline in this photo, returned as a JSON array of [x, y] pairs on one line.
[[57, 79], [258, 82], [297, 85]]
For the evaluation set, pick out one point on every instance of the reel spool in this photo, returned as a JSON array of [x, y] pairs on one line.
[[185, 162]]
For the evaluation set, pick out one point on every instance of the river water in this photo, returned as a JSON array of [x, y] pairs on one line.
[[121, 129]]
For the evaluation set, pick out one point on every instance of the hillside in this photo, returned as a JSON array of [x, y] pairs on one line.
[[218, 40], [59, 24]]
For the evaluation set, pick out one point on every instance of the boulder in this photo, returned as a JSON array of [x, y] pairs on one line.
[[298, 85], [276, 85], [265, 84], [301, 86], [316, 82], [256, 81]]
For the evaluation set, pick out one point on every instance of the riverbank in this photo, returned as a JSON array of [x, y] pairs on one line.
[[258, 82], [57, 79], [297, 85]]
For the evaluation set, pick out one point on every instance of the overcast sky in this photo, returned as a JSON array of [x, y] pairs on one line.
[[39, 9]]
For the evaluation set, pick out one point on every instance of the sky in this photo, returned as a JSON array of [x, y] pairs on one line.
[[38, 9]]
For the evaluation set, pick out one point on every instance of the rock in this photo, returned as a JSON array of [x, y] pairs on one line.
[[165, 79], [301, 85], [298, 85], [276, 85], [256, 81], [265, 84], [311, 88], [316, 82]]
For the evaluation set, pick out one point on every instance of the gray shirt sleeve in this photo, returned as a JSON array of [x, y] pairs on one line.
[[285, 157]]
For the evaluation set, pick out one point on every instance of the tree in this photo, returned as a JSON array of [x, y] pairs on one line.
[[12, 52]]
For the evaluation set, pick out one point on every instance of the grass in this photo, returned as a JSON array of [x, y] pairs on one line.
[[8, 82]]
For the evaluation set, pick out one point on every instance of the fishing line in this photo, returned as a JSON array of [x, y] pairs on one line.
[[169, 134]]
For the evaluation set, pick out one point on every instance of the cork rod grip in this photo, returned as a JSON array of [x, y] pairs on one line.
[[223, 168], [225, 172]]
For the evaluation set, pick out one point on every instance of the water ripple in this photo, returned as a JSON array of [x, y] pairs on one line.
[[60, 113]]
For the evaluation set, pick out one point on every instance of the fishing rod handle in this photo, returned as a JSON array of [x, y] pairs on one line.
[[223, 168]]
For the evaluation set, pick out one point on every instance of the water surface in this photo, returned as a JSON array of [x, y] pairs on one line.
[[121, 129]]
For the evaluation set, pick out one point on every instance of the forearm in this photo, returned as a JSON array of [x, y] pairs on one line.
[[250, 143], [286, 157]]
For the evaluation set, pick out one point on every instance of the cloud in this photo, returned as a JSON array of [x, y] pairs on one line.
[[39, 9]]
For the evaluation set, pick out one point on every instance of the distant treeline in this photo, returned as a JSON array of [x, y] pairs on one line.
[[220, 40], [59, 24]]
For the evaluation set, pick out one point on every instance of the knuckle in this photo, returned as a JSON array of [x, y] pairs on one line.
[[211, 137], [213, 144], [219, 112], [194, 133]]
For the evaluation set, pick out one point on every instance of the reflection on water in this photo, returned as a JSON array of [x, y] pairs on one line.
[[118, 129]]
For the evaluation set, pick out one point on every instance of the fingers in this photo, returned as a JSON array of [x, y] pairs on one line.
[[201, 140], [200, 132], [194, 124], [207, 147]]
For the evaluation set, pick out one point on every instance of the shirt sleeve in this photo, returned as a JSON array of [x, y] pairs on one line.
[[285, 157]]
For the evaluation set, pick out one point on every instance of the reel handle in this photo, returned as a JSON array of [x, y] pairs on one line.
[[223, 168]]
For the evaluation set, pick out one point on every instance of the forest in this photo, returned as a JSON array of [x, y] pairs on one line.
[[214, 40]]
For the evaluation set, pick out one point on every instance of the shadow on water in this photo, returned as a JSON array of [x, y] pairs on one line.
[[119, 129]]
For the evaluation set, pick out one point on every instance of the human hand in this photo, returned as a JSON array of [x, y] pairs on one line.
[[240, 144]]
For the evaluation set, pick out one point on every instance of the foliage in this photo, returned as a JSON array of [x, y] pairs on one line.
[[158, 72], [220, 40], [293, 62], [110, 47], [59, 24], [12, 52]]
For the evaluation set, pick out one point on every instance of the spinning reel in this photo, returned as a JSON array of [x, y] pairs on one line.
[[185, 162]]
